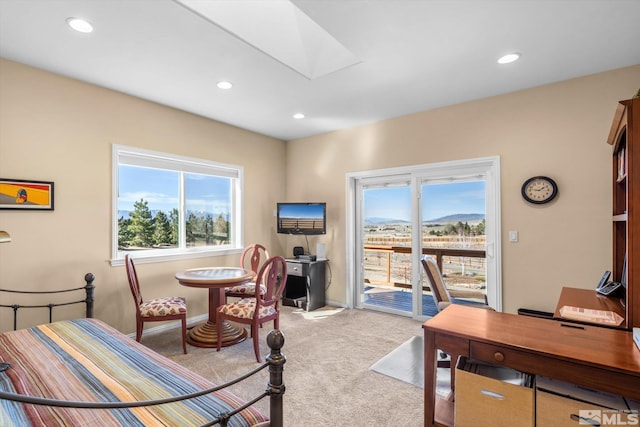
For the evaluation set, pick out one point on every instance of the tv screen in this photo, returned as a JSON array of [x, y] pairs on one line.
[[302, 218]]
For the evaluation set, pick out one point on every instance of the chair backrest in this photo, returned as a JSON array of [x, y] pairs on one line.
[[438, 288], [273, 275], [252, 255], [133, 280]]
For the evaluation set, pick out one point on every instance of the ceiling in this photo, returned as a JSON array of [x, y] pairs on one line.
[[412, 55]]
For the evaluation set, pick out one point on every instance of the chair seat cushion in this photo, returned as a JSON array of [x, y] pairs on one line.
[[246, 289], [245, 308], [165, 306]]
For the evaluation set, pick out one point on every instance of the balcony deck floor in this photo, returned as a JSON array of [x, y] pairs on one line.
[[402, 300]]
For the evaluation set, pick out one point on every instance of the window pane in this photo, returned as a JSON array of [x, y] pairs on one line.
[[170, 206], [148, 206], [454, 217], [208, 208]]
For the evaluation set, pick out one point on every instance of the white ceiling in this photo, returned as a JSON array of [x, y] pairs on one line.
[[415, 55]]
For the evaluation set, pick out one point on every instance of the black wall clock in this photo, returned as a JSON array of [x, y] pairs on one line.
[[539, 190]]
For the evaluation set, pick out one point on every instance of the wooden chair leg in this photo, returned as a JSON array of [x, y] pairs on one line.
[[139, 326], [184, 334], [256, 342]]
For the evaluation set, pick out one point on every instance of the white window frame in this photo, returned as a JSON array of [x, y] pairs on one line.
[[146, 158], [489, 167]]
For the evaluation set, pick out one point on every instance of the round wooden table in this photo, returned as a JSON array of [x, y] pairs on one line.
[[215, 279]]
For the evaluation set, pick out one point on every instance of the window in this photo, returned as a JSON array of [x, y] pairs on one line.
[[167, 206]]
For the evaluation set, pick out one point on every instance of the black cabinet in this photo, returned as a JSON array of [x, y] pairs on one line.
[[306, 282]]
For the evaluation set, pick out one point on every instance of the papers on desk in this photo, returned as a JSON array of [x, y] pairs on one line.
[[579, 393], [500, 373], [602, 317]]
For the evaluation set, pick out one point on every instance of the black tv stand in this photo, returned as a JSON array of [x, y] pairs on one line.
[[305, 286]]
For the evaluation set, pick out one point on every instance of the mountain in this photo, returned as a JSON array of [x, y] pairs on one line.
[[378, 220], [458, 217], [471, 217]]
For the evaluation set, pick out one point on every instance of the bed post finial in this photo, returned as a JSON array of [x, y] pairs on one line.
[[275, 387], [89, 287]]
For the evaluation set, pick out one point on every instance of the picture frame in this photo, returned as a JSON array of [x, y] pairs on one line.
[[20, 194]]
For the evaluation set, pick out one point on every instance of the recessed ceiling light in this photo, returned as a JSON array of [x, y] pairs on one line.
[[225, 85], [80, 25], [298, 116], [509, 58]]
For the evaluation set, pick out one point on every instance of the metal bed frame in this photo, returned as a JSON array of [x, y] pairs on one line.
[[274, 362]]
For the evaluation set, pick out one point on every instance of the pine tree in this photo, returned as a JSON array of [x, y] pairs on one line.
[[124, 235], [221, 229], [141, 226], [174, 219], [161, 229]]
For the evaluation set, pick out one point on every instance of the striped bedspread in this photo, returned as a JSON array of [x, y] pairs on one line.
[[87, 360]]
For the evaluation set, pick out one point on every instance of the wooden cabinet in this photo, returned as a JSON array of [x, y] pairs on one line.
[[624, 137]]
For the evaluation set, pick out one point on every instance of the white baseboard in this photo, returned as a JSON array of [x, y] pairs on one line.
[[191, 321]]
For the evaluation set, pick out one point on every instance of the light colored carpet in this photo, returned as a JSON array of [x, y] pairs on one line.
[[327, 376]]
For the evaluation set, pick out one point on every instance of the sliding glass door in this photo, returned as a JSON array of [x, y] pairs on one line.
[[386, 224], [453, 234], [449, 211]]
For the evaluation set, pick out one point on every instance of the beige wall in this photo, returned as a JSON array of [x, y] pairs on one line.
[[58, 129], [558, 130]]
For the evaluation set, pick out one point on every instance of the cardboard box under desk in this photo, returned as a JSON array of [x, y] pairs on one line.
[[561, 404], [488, 398]]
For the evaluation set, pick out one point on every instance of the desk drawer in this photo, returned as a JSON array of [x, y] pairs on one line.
[[482, 401], [298, 269], [497, 355], [561, 404]]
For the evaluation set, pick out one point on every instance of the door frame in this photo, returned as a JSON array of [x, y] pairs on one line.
[[486, 167]]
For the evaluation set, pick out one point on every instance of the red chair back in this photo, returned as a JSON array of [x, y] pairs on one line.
[[252, 255], [133, 280], [273, 275]]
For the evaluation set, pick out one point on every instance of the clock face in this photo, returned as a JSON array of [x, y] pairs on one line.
[[539, 189]]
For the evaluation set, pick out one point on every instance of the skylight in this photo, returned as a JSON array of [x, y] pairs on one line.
[[281, 30]]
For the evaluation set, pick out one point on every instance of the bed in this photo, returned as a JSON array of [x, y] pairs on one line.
[[84, 372]]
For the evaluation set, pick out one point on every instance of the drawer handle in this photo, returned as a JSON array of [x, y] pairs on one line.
[[498, 356], [492, 394]]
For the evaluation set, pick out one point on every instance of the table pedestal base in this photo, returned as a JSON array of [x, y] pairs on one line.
[[206, 335]]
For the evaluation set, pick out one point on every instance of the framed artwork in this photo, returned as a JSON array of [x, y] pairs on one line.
[[27, 195]]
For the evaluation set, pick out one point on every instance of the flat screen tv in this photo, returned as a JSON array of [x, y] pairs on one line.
[[302, 218]]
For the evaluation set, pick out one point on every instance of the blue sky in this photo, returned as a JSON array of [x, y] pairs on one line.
[[160, 188], [309, 211], [210, 194], [438, 200]]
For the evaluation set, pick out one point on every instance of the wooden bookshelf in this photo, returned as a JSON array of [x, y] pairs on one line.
[[624, 137]]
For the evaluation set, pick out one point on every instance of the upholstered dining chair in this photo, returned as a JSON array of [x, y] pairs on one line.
[[157, 309], [441, 294], [254, 310], [252, 258]]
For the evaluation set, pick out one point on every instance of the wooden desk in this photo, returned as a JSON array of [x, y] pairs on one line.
[[215, 279], [587, 298], [600, 358]]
